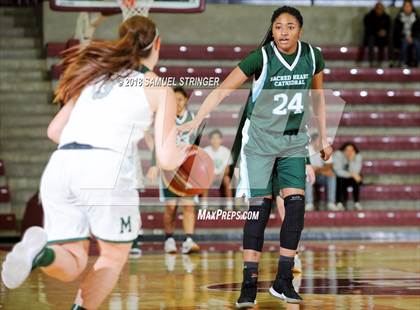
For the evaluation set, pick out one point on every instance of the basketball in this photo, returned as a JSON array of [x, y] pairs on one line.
[[194, 176]]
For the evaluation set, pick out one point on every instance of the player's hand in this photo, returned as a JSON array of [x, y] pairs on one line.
[[186, 150], [189, 127], [152, 174], [179, 157], [326, 150], [310, 174]]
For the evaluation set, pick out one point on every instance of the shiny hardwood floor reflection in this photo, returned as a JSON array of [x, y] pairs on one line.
[[344, 275]]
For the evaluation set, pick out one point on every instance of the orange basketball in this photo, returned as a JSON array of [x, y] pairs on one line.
[[193, 177]]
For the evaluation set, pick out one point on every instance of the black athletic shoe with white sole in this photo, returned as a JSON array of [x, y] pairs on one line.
[[18, 263], [248, 296], [283, 288]]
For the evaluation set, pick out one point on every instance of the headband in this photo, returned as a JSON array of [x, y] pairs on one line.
[[153, 41]]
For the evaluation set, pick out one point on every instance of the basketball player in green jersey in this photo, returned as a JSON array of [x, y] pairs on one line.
[[171, 199], [273, 148]]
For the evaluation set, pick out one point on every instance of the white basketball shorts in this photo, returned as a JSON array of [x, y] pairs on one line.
[[90, 192]]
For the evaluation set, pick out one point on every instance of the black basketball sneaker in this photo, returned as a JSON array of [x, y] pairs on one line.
[[283, 288], [247, 299]]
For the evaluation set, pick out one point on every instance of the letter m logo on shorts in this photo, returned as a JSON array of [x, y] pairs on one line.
[[125, 224]]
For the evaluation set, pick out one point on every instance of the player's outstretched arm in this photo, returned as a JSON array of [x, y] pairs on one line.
[[318, 101], [55, 128], [233, 81], [162, 101]]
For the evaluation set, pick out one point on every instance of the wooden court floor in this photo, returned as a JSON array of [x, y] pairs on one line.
[[343, 275]]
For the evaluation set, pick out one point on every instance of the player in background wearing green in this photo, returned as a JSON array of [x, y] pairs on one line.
[[270, 136], [171, 199]]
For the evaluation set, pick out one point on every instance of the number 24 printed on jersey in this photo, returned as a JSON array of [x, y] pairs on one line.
[[295, 104]]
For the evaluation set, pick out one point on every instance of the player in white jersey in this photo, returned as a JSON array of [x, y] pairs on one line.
[[222, 161], [88, 186]]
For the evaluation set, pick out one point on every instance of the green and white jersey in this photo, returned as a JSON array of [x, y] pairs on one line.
[[186, 117], [279, 96], [181, 137]]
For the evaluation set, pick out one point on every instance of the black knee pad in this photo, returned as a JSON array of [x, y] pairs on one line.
[[254, 229], [292, 226]]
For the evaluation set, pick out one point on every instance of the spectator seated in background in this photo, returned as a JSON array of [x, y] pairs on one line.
[[407, 33], [222, 160], [347, 164], [377, 25], [324, 176]]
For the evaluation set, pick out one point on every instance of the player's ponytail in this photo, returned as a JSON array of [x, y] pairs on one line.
[[284, 9], [101, 61]]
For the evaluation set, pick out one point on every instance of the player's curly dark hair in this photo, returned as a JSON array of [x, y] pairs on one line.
[[281, 10], [289, 10]]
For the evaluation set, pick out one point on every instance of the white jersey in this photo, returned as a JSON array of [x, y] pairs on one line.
[[221, 158], [109, 116], [94, 192]]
